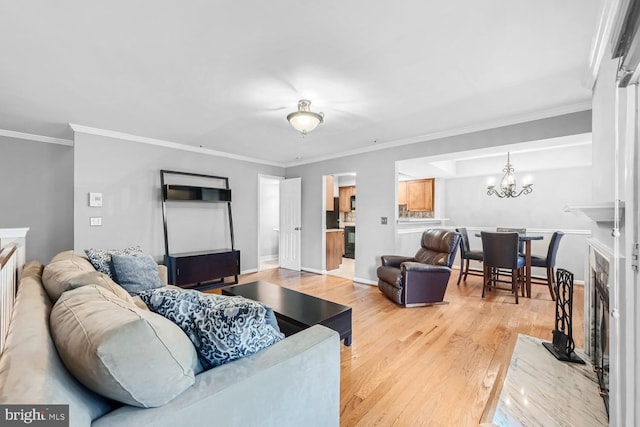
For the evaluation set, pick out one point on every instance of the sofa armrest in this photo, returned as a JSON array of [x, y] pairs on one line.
[[394, 260], [291, 383], [418, 266]]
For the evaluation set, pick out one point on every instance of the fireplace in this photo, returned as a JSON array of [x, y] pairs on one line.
[[599, 322]]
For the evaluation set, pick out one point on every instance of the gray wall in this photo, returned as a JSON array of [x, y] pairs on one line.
[[128, 175], [376, 182], [36, 191]]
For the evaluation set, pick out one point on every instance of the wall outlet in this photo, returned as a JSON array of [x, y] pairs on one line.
[[95, 221], [383, 220]]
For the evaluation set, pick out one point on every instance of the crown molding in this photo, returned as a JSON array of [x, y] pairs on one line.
[[168, 144], [490, 124], [34, 137]]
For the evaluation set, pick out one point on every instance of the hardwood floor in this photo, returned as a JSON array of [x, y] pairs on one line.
[[431, 366]]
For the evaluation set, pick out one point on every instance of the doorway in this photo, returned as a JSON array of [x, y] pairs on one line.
[[339, 215], [268, 222]]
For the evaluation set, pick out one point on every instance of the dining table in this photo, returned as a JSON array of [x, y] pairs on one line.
[[527, 238]]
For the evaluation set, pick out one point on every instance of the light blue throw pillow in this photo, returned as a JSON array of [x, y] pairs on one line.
[[222, 328], [135, 273]]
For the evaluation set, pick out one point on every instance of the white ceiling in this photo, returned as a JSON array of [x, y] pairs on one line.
[[224, 74]]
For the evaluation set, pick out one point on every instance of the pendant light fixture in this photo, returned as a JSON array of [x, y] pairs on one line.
[[304, 120], [508, 184]]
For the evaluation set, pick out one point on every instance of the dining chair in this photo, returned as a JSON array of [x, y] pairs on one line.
[[548, 262], [466, 254], [500, 251], [514, 230]]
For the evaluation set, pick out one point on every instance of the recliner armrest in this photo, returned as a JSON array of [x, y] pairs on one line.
[[394, 260], [418, 266]]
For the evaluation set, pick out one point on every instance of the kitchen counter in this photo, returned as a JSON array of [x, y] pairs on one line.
[[347, 224], [335, 248], [418, 220]]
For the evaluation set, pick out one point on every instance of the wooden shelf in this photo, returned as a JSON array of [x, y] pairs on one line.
[[202, 269], [202, 194]]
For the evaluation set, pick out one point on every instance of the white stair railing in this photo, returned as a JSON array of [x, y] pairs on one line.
[[8, 279]]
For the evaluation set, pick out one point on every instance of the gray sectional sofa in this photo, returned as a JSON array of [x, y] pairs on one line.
[[291, 383]]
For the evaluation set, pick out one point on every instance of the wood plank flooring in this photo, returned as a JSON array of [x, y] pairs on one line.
[[426, 366]]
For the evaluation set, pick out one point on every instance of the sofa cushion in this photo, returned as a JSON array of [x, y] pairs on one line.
[[104, 281], [63, 267], [119, 351], [31, 372], [101, 258], [135, 273], [222, 328]]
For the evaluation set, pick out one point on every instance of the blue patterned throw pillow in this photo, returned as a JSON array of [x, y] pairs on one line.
[[135, 273], [101, 258], [222, 328]]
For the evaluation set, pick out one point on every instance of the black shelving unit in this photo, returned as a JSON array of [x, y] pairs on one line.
[[203, 269]]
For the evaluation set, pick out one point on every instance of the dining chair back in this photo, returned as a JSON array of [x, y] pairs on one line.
[[500, 251], [514, 230], [548, 262], [466, 254]]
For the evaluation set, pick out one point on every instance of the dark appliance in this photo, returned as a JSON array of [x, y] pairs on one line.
[[332, 216], [353, 203], [350, 242]]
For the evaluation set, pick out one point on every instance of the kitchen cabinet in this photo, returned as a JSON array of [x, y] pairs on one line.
[[402, 193], [345, 193], [328, 182], [335, 249], [420, 195]]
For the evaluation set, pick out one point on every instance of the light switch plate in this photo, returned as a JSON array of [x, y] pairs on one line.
[[95, 200], [95, 221], [383, 220]]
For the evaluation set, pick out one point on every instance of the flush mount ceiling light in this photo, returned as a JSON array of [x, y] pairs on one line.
[[508, 184], [305, 120]]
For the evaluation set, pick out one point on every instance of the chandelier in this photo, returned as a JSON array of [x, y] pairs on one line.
[[304, 120], [508, 184]]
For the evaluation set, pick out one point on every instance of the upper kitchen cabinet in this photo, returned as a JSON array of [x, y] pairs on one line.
[[418, 194], [328, 181], [345, 193], [402, 192]]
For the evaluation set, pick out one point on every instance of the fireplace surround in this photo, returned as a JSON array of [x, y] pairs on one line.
[[600, 324], [597, 313]]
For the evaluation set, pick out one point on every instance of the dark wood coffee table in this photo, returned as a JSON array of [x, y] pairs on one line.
[[296, 311]]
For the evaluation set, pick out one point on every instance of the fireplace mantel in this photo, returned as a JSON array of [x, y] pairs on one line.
[[599, 212]]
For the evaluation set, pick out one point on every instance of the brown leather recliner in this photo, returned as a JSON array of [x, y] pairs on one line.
[[422, 279]]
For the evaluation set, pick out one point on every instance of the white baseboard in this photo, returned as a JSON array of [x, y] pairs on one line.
[[265, 258], [365, 281], [249, 271], [313, 270]]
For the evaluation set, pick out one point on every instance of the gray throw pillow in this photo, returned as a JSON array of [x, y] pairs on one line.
[[135, 273], [101, 258], [222, 328]]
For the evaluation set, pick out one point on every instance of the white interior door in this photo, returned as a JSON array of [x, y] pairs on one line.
[[290, 220]]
